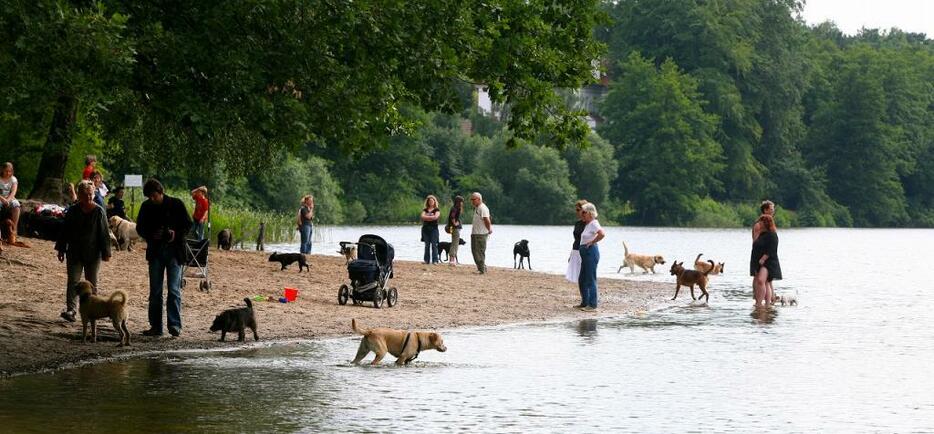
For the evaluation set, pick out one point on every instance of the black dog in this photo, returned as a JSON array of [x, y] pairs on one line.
[[236, 320], [224, 239], [287, 259], [522, 250], [445, 247]]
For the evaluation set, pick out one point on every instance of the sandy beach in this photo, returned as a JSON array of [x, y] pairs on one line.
[[34, 338]]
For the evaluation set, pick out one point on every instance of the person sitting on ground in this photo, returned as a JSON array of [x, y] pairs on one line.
[[116, 206], [200, 216], [85, 241], [90, 164], [9, 206]]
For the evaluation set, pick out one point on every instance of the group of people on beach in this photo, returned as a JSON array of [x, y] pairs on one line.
[[482, 228]]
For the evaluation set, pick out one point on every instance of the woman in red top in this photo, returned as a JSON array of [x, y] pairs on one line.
[[200, 216], [90, 163]]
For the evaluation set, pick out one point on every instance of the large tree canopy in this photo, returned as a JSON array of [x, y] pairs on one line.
[[197, 84]]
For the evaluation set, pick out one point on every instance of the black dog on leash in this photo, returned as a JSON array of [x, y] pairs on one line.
[[521, 249], [287, 259], [236, 320], [445, 247]]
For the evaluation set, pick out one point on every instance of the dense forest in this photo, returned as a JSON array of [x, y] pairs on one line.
[[707, 107]]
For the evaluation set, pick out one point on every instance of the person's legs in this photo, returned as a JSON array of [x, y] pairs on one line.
[[14, 215], [475, 250], [590, 256], [173, 302], [760, 286], [455, 242], [311, 233], [197, 228], [481, 253], [769, 291], [73, 267], [434, 246], [156, 277], [91, 271], [303, 234], [426, 258], [594, 261]]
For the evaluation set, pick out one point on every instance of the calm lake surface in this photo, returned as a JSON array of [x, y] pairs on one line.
[[854, 356]]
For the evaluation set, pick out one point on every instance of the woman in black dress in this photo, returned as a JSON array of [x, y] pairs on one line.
[[763, 263]]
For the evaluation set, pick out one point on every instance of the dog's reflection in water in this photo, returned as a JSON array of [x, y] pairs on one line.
[[587, 328], [764, 314]]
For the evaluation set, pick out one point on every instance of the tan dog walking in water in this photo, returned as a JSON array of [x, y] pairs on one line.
[[404, 345]]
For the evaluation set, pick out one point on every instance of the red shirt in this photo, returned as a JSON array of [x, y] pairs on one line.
[[88, 170], [201, 208]]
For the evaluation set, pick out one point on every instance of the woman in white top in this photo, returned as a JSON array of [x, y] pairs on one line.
[[590, 257]]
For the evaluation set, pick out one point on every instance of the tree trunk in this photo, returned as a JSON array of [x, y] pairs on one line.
[[48, 185]]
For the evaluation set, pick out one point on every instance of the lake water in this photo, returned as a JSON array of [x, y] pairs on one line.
[[854, 356]]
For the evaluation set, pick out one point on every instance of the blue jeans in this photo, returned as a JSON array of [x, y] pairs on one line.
[[305, 230], [430, 238], [590, 257], [197, 228], [165, 264]]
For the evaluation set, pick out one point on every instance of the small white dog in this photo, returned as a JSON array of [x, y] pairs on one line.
[[785, 299]]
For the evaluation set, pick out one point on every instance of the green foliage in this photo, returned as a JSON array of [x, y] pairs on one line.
[[664, 141]]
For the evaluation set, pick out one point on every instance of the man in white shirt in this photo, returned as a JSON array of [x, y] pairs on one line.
[[482, 228]]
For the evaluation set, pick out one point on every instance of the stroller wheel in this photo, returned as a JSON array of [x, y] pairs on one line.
[[343, 294], [378, 296], [392, 297], [205, 286]]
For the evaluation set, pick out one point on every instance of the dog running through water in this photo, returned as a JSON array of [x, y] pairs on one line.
[[404, 345]]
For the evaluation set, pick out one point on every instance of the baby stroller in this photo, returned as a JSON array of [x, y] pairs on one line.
[[196, 255], [370, 274]]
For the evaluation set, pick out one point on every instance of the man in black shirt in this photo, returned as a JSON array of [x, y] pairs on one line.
[[115, 206], [163, 222]]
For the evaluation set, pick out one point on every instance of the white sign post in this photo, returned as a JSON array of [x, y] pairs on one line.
[[132, 181]]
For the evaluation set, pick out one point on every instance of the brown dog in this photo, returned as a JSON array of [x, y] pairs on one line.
[[92, 308], [405, 346], [705, 267], [645, 262], [690, 278]]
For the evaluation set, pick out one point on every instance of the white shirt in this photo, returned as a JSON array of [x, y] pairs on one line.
[[479, 228], [590, 231]]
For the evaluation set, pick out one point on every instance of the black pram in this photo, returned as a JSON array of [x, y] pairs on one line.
[[370, 273]]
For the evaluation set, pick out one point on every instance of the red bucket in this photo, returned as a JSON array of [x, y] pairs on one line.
[[290, 294]]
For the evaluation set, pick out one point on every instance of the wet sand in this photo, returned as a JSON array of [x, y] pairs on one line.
[[32, 295]]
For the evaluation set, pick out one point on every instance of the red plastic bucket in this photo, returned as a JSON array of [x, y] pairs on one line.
[[290, 294]]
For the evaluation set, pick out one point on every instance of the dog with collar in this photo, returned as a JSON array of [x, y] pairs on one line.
[[645, 262], [521, 250], [690, 278], [404, 345]]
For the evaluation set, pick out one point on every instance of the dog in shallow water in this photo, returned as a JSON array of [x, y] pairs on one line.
[[703, 266], [445, 247], [690, 278], [521, 250], [224, 239], [93, 307], [287, 259], [236, 320], [785, 299], [404, 345], [645, 262]]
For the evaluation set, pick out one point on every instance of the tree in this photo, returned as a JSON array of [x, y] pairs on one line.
[[231, 84], [664, 141]]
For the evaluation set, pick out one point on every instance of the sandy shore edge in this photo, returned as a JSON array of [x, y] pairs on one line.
[[36, 340]]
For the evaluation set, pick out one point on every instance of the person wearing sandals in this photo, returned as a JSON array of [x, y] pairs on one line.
[[454, 222], [590, 256], [574, 261], [85, 241], [430, 236]]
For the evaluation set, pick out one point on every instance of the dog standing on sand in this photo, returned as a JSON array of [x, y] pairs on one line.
[[224, 239], [445, 247], [348, 250], [404, 345], [645, 262], [521, 250], [125, 231], [236, 320], [93, 307], [286, 259], [690, 278]]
